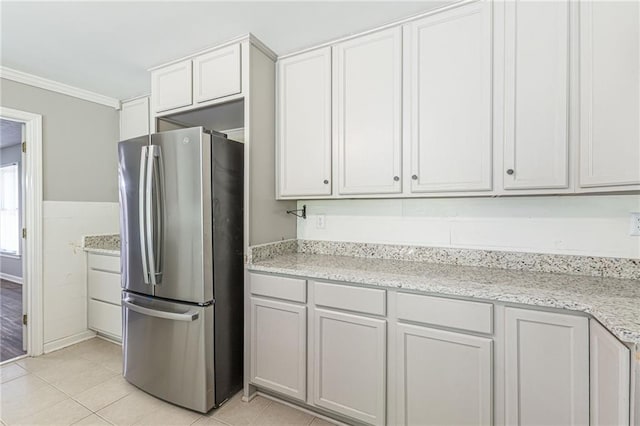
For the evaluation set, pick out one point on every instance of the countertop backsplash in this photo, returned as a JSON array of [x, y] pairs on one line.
[[609, 267]]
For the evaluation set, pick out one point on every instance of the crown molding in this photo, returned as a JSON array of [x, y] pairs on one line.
[[55, 86]]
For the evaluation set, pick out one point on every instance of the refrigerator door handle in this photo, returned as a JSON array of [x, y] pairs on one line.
[[153, 215], [158, 181], [189, 316], [142, 195]]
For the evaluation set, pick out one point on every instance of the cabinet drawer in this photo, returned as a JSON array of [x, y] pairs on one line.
[[293, 289], [104, 263], [471, 316], [350, 298], [105, 317], [104, 286]]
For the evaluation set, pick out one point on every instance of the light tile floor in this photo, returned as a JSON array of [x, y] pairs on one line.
[[83, 385]]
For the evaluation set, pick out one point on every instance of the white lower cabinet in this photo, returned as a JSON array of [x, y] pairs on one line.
[[443, 378], [350, 365], [546, 368], [278, 346], [104, 312], [610, 375], [451, 361]]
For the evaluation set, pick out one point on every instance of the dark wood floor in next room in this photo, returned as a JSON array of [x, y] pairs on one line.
[[10, 320]]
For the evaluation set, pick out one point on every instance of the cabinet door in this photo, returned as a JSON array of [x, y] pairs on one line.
[[171, 86], [134, 119], [278, 346], [304, 124], [536, 95], [367, 107], [546, 368], [610, 374], [443, 378], [450, 92], [349, 366], [609, 93], [217, 74]]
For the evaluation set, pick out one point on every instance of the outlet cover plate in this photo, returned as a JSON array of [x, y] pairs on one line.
[[634, 224]]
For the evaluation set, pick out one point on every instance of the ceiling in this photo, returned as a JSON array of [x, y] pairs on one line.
[[107, 47], [10, 133]]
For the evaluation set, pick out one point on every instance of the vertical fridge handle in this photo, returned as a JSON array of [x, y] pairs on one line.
[[154, 213], [142, 195]]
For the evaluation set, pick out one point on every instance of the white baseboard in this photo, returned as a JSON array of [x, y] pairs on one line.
[[68, 341], [12, 278]]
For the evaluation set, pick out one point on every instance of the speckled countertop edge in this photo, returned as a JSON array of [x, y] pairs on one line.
[[102, 244], [614, 302]]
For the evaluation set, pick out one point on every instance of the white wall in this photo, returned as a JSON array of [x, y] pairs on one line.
[[64, 268], [580, 225]]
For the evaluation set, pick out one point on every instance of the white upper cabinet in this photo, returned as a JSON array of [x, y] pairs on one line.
[[134, 118], [546, 368], [171, 86], [609, 93], [536, 84], [304, 124], [368, 113], [450, 69], [217, 74]]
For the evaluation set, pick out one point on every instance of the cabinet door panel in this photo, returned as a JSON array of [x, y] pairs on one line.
[[609, 93], [350, 363], [450, 62], [536, 95], [367, 107], [171, 86], [134, 119], [443, 378], [304, 124], [217, 74], [278, 346], [546, 368], [610, 373]]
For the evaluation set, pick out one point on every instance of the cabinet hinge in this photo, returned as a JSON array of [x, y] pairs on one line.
[[24, 147], [24, 232], [24, 319]]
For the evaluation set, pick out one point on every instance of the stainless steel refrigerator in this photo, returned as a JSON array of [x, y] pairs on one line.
[[181, 201]]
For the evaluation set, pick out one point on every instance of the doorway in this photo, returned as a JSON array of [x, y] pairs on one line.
[[21, 328], [13, 339]]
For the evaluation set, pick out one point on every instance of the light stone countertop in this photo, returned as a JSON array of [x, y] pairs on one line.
[[102, 244], [614, 302]]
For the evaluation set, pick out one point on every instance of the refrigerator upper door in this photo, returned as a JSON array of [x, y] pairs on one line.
[[130, 179], [180, 252]]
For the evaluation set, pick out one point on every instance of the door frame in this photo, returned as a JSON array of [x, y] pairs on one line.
[[32, 244]]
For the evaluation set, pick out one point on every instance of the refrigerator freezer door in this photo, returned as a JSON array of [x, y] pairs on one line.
[[168, 350], [184, 270], [129, 180]]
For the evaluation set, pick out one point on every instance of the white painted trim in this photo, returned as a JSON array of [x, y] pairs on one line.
[[55, 86], [68, 341], [33, 244], [12, 278], [247, 37], [456, 3]]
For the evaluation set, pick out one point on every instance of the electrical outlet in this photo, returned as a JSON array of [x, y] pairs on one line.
[[634, 226], [320, 221]]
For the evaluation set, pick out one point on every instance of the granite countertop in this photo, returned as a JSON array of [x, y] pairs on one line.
[[102, 244], [615, 302]]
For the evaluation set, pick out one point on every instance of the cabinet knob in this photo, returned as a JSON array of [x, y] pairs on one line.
[[509, 172], [396, 178], [414, 177], [326, 182]]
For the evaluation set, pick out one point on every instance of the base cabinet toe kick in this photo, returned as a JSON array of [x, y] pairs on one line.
[[383, 356]]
